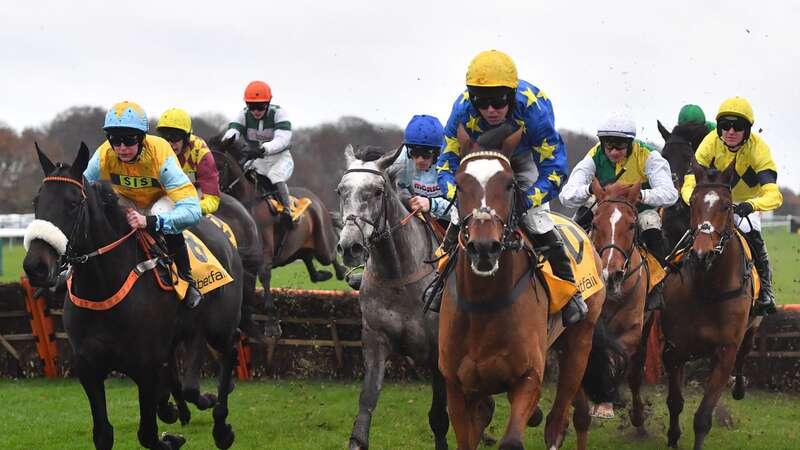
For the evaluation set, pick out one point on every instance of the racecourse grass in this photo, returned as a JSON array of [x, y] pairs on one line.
[[41, 414]]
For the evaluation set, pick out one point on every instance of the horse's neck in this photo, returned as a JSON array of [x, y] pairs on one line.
[[405, 250], [101, 276], [478, 289]]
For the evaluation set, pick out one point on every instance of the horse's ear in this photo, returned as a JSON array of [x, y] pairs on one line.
[[349, 155], [464, 141], [664, 132], [633, 193], [698, 170], [597, 189], [47, 166], [729, 173], [81, 162], [386, 160]]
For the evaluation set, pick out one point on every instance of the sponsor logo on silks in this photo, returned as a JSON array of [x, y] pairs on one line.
[[134, 182]]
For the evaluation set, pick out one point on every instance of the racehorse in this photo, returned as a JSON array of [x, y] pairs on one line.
[[134, 330], [679, 148], [708, 304], [614, 234], [312, 237], [493, 325], [378, 231]]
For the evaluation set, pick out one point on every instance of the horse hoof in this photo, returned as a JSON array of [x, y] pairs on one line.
[[224, 438], [272, 329], [487, 439], [536, 418], [321, 275], [206, 401], [737, 393], [511, 444], [168, 413], [185, 416], [173, 441], [356, 445]]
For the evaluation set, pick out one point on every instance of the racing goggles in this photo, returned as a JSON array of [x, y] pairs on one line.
[[126, 140], [260, 106], [494, 102], [420, 151], [726, 123]]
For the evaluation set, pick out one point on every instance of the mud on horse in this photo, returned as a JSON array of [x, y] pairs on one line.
[[493, 325], [708, 302]]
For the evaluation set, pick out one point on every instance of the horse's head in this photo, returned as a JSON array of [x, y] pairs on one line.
[[711, 211], [486, 197], [60, 214], [679, 147], [363, 204], [614, 230]]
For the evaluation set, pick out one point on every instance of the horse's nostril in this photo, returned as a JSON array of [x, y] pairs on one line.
[[339, 249], [472, 249], [357, 249], [495, 248]]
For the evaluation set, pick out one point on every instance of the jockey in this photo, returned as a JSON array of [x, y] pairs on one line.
[[266, 128], [494, 96], [175, 126], [694, 113], [620, 156], [143, 168], [756, 188], [423, 139], [414, 173]]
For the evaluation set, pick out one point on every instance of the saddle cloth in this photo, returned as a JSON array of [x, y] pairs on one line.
[[298, 207], [207, 271], [226, 229]]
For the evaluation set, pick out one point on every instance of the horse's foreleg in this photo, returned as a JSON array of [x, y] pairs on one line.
[[437, 415], [635, 375], [744, 349], [571, 368], [171, 384], [195, 348], [148, 428], [102, 431], [223, 433], [523, 396], [272, 326], [581, 419], [463, 416], [674, 368], [375, 352], [315, 275], [723, 361]]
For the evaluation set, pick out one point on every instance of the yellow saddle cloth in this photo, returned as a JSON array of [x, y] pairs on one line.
[[207, 271], [298, 207], [226, 229], [678, 257], [655, 270]]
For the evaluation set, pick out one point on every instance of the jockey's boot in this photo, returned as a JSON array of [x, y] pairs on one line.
[[432, 297], [657, 245], [583, 217], [176, 246], [575, 310], [354, 280], [283, 197], [766, 299]]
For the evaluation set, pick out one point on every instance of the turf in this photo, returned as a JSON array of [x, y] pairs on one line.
[[40, 414]]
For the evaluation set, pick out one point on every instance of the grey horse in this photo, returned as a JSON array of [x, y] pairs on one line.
[[378, 232]]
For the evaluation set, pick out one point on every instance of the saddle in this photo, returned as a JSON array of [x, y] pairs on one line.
[[297, 208]]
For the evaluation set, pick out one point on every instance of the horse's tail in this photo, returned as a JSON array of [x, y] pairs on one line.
[[606, 366]]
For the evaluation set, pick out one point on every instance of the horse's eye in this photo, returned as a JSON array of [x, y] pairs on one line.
[[378, 193]]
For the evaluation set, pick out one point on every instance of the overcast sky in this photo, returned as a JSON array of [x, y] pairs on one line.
[[385, 61]]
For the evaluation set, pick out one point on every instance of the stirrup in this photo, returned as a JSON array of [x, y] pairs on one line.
[[193, 296], [764, 307]]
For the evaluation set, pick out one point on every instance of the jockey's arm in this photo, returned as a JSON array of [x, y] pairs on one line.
[[549, 154], [576, 191], [662, 190], [235, 128], [182, 192], [769, 195], [92, 172], [208, 182], [439, 206], [282, 138], [450, 158]]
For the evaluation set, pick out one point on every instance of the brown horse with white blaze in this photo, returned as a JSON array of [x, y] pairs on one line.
[[708, 305], [614, 234], [493, 326]]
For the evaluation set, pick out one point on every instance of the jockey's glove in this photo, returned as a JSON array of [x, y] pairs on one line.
[[743, 209], [254, 152], [152, 223], [231, 133]]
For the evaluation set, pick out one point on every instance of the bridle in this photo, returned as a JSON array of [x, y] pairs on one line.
[[706, 227], [629, 253], [378, 233], [69, 256], [511, 239]]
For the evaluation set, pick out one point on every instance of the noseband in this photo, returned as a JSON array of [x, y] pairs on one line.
[[511, 239], [706, 228]]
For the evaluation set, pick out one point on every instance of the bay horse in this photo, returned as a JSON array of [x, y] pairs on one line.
[[679, 148], [614, 233], [135, 330], [312, 237], [493, 324], [708, 304], [379, 232]]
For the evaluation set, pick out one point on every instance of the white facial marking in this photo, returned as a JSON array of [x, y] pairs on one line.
[[483, 170], [711, 198], [484, 273], [705, 228], [615, 216]]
